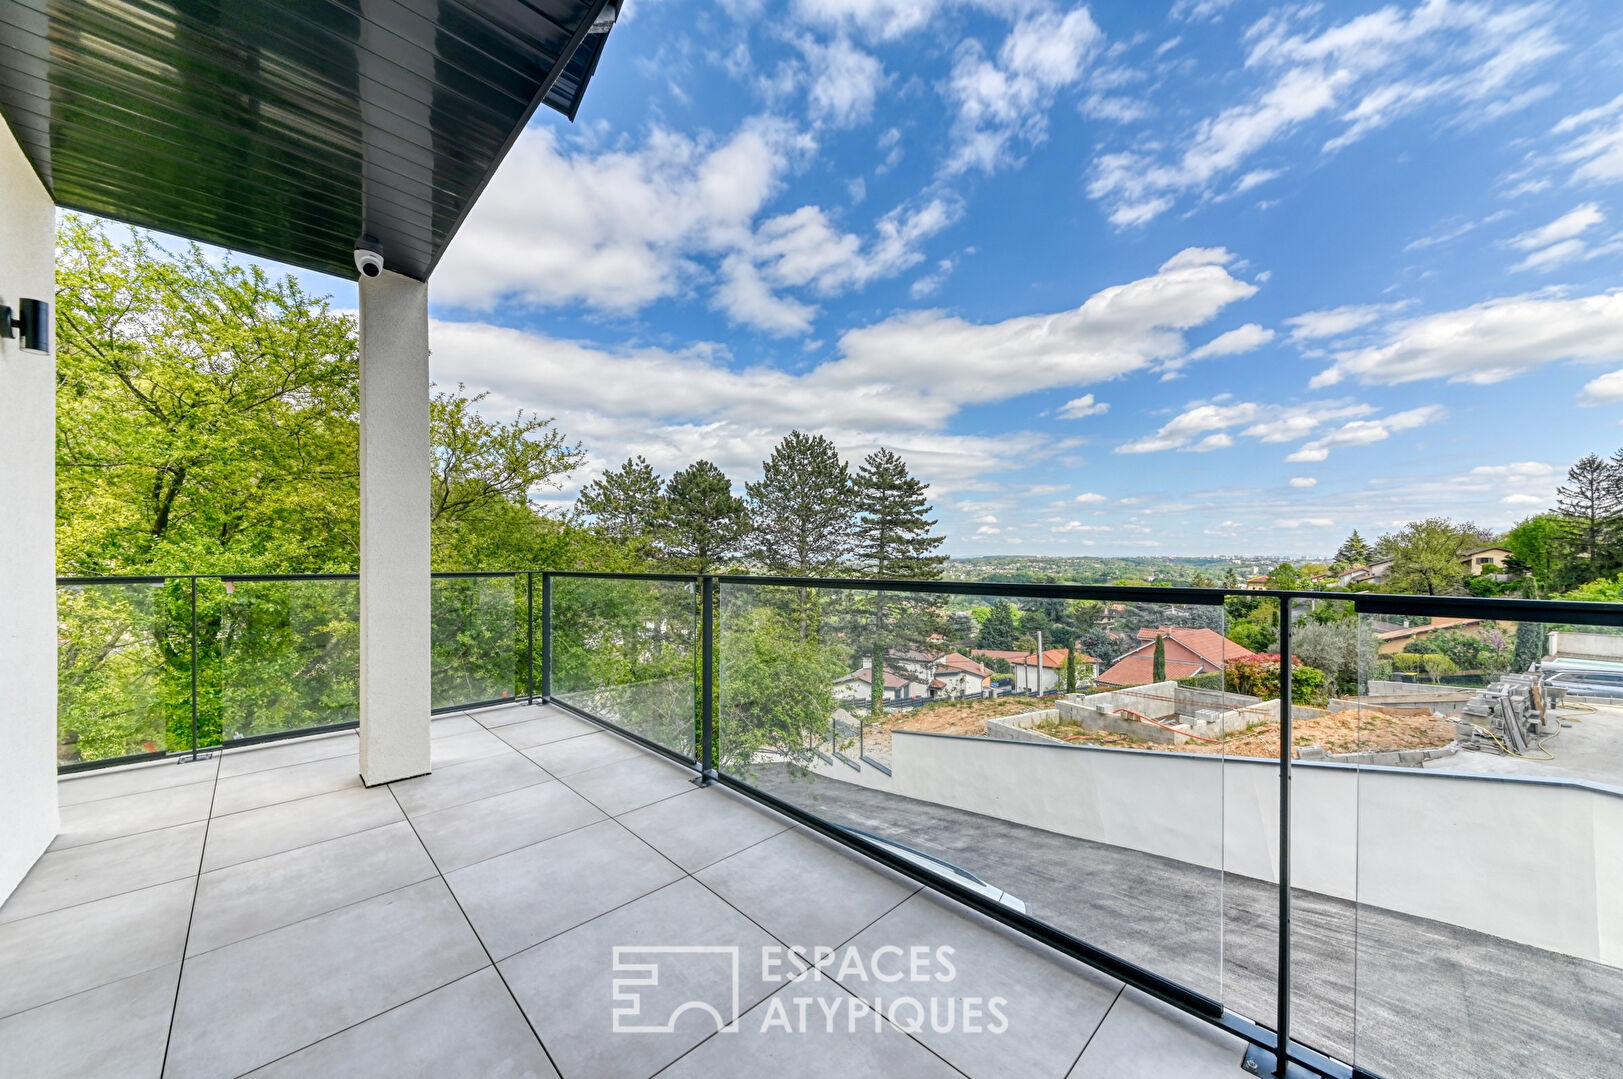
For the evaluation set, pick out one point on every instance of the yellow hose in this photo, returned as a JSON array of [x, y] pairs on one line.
[[1548, 756]]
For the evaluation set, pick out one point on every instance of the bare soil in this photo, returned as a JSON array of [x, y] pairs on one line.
[[1339, 732], [944, 717]]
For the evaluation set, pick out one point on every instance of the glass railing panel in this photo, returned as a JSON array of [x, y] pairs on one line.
[[287, 652], [476, 638], [1489, 824], [1098, 808], [627, 651], [124, 667]]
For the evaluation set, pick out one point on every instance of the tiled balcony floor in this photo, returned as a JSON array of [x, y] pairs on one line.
[[263, 913]]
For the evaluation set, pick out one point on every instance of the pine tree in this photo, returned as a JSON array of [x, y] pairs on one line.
[[1070, 668], [1353, 551], [702, 524], [1231, 579], [997, 632], [623, 502], [1589, 502], [893, 541], [1158, 661], [802, 513]]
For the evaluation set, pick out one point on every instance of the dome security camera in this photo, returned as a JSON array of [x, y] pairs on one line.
[[369, 256]]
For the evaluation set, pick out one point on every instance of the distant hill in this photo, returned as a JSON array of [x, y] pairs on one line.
[[1157, 569]]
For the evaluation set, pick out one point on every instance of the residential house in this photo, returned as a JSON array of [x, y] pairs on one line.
[[1046, 673], [961, 676], [858, 686], [1188, 652], [1256, 583], [1396, 640], [1378, 571], [1488, 560]]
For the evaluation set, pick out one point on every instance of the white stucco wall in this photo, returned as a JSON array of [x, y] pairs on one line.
[[395, 626], [28, 814], [1527, 860]]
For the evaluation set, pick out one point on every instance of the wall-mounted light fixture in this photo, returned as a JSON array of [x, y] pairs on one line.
[[32, 324]]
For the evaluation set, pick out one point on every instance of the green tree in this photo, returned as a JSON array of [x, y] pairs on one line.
[[1589, 501], [894, 539], [1535, 546], [776, 690], [1158, 660], [1070, 668], [1426, 557], [998, 632], [1531, 638], [802, 514], [624, 502], [1353, 551], [702, 524]]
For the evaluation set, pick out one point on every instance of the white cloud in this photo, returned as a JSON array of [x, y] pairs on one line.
[[1570, 224], [1115, 108], [1199, 10], [1079, 407], [1238, 340], [1001, 100], [1304, 481], [619, 229], [928, 362], [1488, 342], [1596, 148], [1306, 522], [1524, 500], [1363, 432], [1335, 321], [1557, 242], [872, 18], [1266, 423], [632, 226], [1605, 390], [1091, 498], [844, 81], [1366, 72]]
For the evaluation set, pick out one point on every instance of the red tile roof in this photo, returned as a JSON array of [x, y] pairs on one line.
[[1138, 668], [864, 674], [955, 661], [1208, 644]]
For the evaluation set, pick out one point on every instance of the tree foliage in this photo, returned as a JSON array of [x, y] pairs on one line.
[[624, 503], [702, 524]]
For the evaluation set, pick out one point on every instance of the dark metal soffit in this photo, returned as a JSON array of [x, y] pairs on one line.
[[287, 128]]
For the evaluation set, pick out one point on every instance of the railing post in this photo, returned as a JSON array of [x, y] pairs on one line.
[[1283, 987], [194, 666], [546, 637], [707, 680], [529, 636]]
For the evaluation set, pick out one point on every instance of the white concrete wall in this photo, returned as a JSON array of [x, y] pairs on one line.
[[1576, 644], [28, 815], [1535, 862], [395, 690]]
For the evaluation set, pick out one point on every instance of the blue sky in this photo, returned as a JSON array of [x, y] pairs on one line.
[[1123, 278]]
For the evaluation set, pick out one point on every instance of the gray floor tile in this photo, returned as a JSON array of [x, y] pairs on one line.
[[632, 783], [567, 984], [515, 900], [470, 1029], [456, 784], [573, 755], [456, 723], [90, 787], [64, 878], [237, 793], [474, 831], [1142, 1038], [804, 891], [812, 1029], [107, 818], [702, 826], [284, 990], [548, 727], [50, 956], [239, 762], [456, 748], [267, 893], [272, 829], [117, 1031], [1052, 1005], [503, 714]]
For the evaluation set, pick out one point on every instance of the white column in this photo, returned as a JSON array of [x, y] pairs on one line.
[[28, 817], [394, 528]]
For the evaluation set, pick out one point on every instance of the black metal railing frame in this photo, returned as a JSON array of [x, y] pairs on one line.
[[704, 762]]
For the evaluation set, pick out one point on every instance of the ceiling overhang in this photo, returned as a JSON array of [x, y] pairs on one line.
[[287, 128]]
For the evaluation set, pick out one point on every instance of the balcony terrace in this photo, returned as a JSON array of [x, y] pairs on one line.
[[262, 912]]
